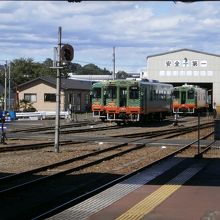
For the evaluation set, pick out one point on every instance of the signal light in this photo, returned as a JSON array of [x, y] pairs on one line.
[[66, 53]]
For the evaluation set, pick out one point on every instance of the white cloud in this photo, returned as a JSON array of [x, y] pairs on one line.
[[137, 29]]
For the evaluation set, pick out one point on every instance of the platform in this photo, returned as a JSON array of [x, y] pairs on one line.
[[192, 194]]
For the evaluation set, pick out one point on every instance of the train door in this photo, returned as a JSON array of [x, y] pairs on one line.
[[146, 103], [147, 98], [123, 97], [104, 92], [183, 97]]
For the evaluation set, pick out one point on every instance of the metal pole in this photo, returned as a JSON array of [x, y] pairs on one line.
[[57, 122], [5, 95], [198, 132], [9, 86], [113, 62], [54, 57]]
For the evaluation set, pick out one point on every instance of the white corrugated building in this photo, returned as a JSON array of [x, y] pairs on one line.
[[187, 66], [90, 77]]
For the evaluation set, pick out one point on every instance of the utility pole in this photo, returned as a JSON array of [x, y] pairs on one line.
[[113, 63], [57, 122], [9, 86], [5, 95]]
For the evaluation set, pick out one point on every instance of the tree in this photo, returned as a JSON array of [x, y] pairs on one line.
[[46, 69], [75, 67], [23, 70], [121, 75], [92, 69], [26, 106]]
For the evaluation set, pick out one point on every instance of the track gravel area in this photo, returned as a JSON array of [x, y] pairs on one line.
[[13, 162]]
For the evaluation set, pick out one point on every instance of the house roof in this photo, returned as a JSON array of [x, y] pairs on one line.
[[174, 51], [66, 84]]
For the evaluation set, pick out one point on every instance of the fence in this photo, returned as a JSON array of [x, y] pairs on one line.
[[40, 115]]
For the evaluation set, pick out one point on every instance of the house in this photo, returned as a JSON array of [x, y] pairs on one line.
[[41, 92]]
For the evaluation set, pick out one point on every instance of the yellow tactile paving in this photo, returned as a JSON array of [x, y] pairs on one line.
[[153, 200]]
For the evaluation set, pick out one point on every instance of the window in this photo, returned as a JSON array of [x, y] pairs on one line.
[[70, 98], [134, 92], [86, 99], [49, 97], [112, 92], [30, 97], [176, 94], [190, 94], [78, 102], [97, 93]]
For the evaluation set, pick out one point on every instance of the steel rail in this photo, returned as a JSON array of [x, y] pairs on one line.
[[165, 130], [35, 146], [87, 195], [30, 183]]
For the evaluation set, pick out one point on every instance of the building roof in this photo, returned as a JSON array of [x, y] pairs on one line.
[[91, 77], [174, 51], [66, 84], [96, 78]]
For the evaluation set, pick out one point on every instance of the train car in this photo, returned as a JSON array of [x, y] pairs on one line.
[[189, 99], [98, 100], [132, 100]]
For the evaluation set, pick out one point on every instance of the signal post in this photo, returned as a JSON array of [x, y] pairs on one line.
[[62, 56]]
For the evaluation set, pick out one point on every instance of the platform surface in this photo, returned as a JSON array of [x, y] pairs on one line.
[[193, 194]]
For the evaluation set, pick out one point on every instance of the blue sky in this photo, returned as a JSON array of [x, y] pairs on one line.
[[28, 29]]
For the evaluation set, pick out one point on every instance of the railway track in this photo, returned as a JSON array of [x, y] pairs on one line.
[[71, 128], [176, 167], [28, 183], [35, 146], [141, 135], [49, 128], [175, 131]]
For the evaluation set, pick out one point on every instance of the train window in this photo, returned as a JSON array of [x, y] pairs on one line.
[[134, 92], [97, 93], [111, 93], [164, 95], [154, 95], [176, 94], [190, 94], [151, 95]]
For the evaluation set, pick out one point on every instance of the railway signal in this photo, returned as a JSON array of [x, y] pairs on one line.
[[66, 53]]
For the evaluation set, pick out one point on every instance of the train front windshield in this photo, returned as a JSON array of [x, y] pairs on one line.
[[111, 92], [134, 92], [191, 94], [96, 93]]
